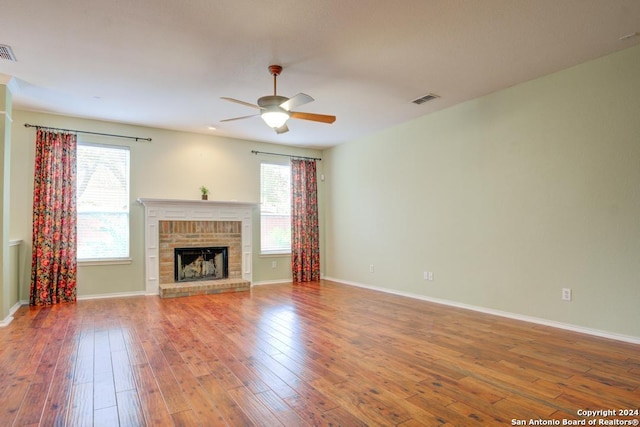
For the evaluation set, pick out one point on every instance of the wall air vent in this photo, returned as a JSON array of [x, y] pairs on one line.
[[7, 53], [426, 98]]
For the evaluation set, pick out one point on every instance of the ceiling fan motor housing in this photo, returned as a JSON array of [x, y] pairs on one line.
[[271, 101]]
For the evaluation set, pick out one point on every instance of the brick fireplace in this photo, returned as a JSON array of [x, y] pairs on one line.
[[199, 234], [171, 224]]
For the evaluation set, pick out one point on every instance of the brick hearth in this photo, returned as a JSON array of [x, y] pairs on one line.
[[187, 289]]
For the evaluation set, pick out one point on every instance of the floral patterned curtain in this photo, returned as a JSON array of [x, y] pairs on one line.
[[305, 246], [53, 262]]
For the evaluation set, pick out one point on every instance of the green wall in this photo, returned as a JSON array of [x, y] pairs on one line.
[[507, 199], [173, 166]]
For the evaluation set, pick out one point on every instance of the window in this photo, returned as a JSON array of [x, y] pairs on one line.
[[102, 202], [275, 208]]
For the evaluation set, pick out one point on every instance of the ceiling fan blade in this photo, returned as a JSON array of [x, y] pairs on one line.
[[239, 118], [282, 129], [237, 101], [313, 117], [296, 100]]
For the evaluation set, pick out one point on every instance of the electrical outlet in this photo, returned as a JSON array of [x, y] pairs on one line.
[[370, 268], [431, 275], [566, 294], [425, 274], [274, 264]]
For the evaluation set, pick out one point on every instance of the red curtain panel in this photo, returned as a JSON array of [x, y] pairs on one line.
[[305, 246], [53, 261]]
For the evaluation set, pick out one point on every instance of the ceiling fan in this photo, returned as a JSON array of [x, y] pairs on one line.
[[276, 110]]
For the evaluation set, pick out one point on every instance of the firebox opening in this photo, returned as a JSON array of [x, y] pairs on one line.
[[192, 264]]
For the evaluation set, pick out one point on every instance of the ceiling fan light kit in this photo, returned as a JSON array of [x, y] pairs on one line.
[[274, 118], [276, 110]]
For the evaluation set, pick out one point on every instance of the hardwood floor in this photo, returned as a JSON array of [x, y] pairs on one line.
[[313, 354]]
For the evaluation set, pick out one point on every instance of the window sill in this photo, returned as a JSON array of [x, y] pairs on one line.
[[274, 254], [105, 261]]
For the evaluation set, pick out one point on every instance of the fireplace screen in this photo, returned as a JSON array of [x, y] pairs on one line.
[[192, 264]]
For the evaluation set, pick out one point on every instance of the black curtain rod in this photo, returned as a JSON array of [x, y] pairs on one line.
[[137, 138], [291, 156]]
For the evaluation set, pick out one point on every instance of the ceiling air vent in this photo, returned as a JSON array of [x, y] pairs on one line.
[[428, 97], [6, 53]]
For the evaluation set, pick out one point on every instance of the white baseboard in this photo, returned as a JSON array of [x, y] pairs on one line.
[[114, 295], [7, 320], [279, 281], [270, 282], [515, 316]]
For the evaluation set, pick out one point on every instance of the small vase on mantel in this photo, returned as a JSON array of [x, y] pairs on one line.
[[205, 197]]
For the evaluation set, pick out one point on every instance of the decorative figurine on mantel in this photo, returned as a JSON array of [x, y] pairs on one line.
[[205, 192]]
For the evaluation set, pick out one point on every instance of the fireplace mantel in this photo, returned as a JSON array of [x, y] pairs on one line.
[[157, 210], [194, 203]]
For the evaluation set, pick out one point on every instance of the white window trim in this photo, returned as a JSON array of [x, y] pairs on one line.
[[273, 253], [104, 261], [111, 261]]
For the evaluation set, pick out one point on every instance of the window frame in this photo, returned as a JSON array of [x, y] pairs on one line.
[[276, 252], [110, 260]]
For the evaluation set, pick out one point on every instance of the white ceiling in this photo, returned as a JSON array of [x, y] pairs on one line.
[[166, 63]]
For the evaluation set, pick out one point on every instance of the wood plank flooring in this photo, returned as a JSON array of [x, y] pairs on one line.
[[316, 354]]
